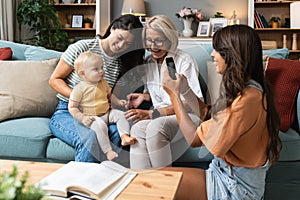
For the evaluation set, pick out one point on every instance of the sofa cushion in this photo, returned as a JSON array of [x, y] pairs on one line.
[[58, 150], [284, 75], [24, 89], [290, 145], [40, 53], [24, 138], [213, 82], [201, 54], [5, 53]]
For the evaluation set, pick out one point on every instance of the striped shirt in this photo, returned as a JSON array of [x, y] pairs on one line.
[[111, 65]]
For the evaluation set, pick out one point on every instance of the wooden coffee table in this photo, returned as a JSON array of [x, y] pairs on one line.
[[148, 184]]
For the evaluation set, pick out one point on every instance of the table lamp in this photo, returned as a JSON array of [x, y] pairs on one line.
[[134, 7]]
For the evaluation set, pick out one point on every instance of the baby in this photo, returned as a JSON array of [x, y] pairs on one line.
[[90, 103]]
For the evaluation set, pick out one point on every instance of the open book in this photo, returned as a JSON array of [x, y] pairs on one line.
[[88, 180]]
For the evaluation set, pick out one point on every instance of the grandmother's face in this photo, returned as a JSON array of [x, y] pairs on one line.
[[156, 43]]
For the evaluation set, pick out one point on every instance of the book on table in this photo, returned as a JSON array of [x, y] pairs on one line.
[[79, 180]]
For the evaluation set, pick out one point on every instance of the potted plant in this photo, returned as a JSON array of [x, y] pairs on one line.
[[275, 21], [15, 186], [41, 17], [87, 22], [219, 15]]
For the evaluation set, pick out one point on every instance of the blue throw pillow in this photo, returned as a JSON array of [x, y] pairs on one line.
[[277, 53], [35, 53]]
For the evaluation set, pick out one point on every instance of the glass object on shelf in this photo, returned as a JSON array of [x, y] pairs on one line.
[[233, 19]]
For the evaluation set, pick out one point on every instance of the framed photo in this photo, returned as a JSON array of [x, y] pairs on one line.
[[203, 28], [217, 23], [77, 21]]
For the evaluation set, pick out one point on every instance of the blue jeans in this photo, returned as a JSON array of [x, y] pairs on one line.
[[83, 139], [224, 182]]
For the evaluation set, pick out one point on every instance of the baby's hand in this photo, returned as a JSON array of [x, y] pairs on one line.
[[88, 120]]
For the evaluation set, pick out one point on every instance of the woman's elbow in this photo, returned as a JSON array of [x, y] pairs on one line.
[[196, 142]]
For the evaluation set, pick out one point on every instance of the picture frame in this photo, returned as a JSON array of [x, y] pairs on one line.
[[203, 29], [77, 21], [217, 23]]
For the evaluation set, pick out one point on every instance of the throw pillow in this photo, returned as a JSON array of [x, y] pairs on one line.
[[213, 81], [35, 53], [24, 89], [5, 53], [277, 53], [284, 75]]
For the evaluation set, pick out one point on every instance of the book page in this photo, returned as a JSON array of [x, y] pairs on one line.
[[93, 177]]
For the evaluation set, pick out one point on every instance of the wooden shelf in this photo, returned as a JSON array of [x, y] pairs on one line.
[[75, 4], [294, 51], [281, 9], [79, 29], [273, 2], [277, 29]]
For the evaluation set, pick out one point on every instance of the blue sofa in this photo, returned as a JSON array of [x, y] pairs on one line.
[[29, 137]]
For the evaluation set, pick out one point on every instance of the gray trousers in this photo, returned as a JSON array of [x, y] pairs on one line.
[[154, 139]]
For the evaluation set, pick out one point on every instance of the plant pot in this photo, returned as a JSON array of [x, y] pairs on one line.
[[87, 25], [275, 24]]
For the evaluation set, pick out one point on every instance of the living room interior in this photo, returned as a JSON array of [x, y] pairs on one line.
[[24, 129]]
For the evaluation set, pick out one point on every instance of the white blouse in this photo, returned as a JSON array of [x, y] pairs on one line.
[[184, 64]]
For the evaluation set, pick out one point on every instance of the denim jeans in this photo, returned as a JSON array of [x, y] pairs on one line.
[[82, 138], [235, 183]]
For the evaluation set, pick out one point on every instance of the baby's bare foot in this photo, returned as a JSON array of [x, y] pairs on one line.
[[110, 155], [127, 140]]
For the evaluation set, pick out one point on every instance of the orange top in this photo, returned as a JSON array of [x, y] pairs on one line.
[[238, 134]]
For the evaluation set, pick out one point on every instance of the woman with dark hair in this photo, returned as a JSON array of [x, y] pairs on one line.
[[242, 132], [121, 40]]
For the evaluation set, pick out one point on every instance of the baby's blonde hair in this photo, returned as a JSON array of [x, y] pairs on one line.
[[83, 59]]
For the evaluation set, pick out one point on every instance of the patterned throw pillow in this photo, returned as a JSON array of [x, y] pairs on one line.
[[284, 75]]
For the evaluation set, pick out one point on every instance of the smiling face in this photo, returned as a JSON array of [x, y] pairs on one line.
[[119, 40], [157, 44], [219, 60]]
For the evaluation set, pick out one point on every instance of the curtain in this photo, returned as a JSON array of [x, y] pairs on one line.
[[9, 29]]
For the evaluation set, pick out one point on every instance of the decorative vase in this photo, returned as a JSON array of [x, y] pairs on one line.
[[187, 27]]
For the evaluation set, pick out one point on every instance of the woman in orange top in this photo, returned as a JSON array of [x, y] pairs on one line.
[[242, 132]]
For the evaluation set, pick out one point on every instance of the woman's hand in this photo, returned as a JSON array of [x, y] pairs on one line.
[[136, 115], [134, 100], [180, 85]]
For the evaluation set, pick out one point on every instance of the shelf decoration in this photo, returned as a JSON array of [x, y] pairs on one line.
[[188, 15], [295, 14]]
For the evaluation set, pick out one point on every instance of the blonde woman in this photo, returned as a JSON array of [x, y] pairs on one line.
[[156, 129]]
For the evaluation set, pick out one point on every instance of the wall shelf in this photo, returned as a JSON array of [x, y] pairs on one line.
[[275, 8]]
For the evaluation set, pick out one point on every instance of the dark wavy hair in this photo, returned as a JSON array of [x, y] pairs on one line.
[[240, 47], [134, 55]]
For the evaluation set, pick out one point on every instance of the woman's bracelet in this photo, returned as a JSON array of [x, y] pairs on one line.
[[186, 92]]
